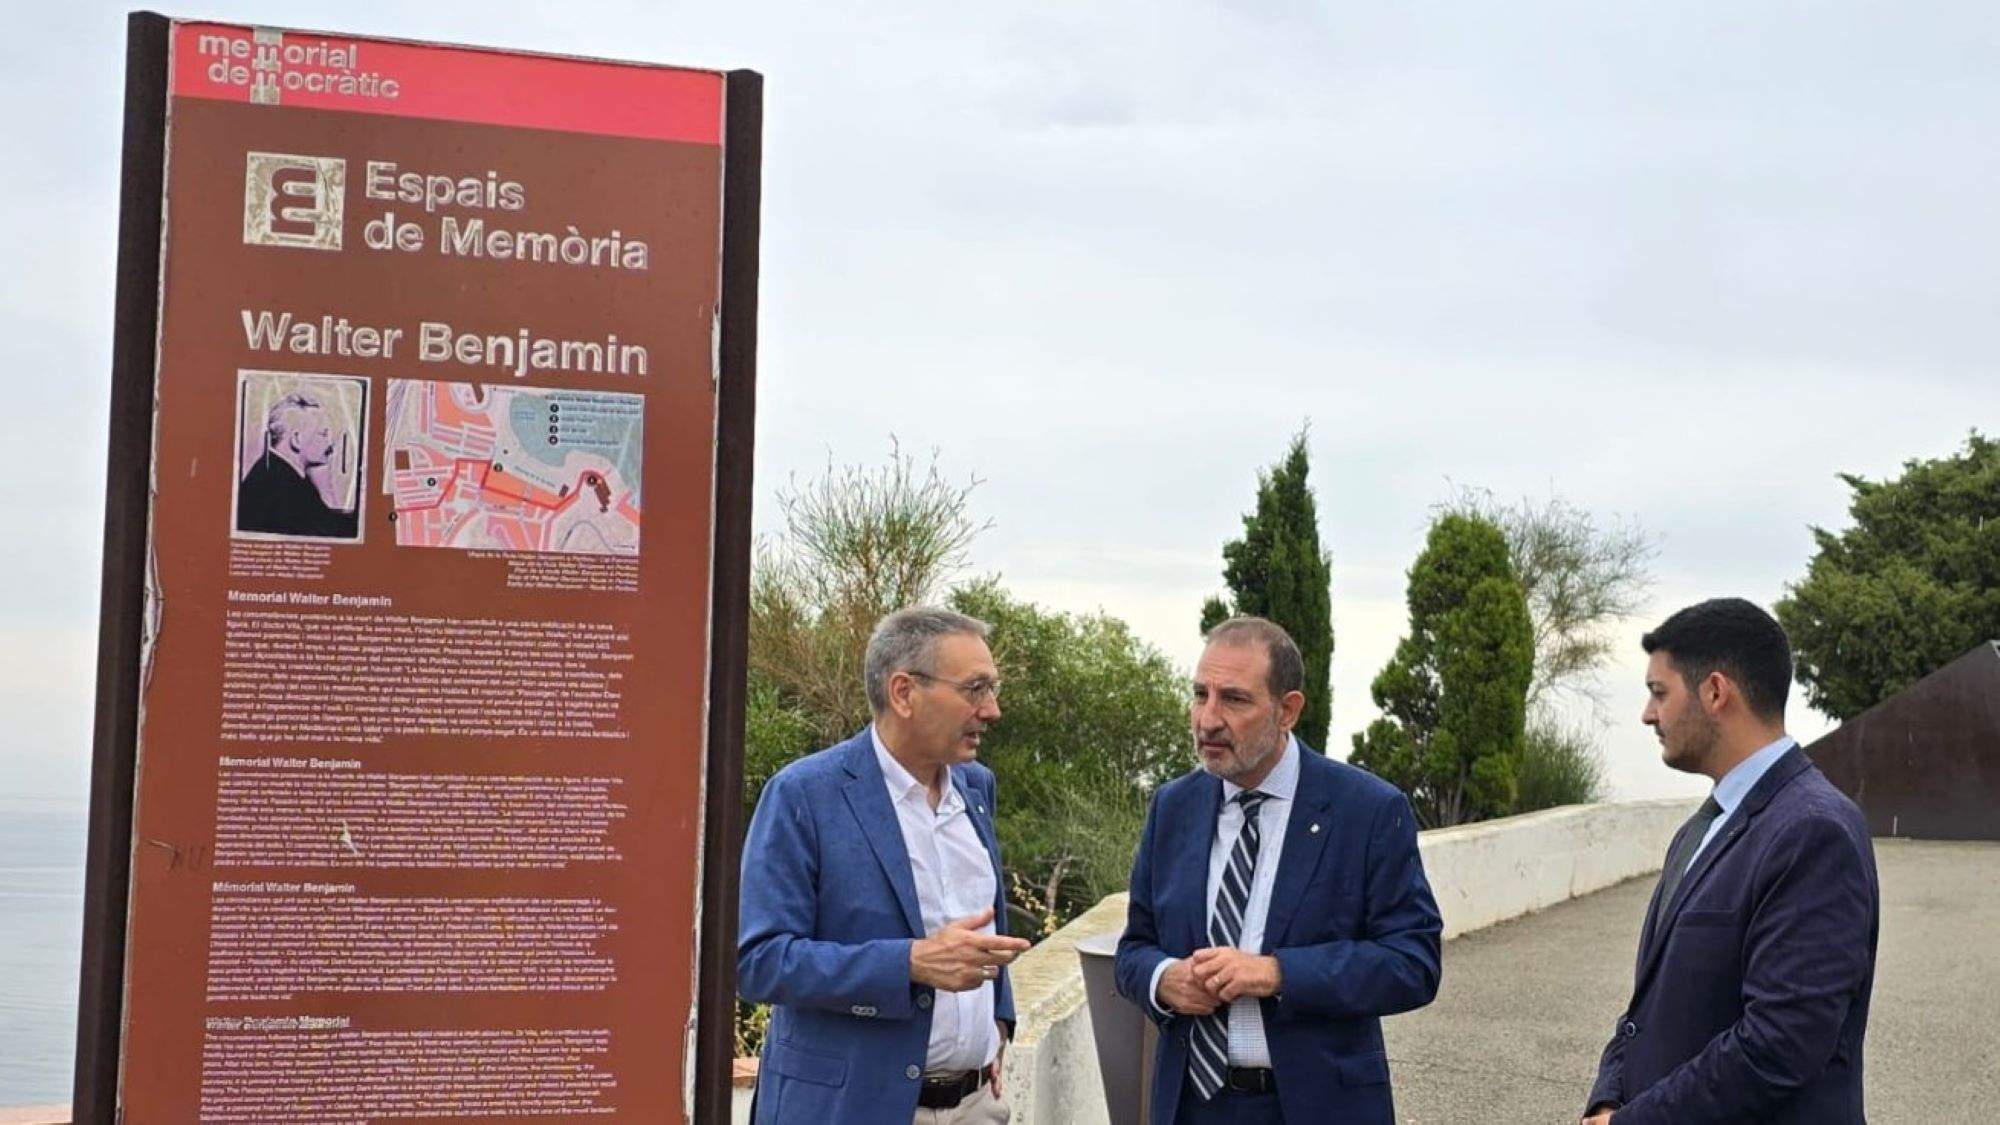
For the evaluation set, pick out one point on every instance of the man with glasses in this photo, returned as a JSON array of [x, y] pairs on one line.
[[873, 906], [1279, 909]]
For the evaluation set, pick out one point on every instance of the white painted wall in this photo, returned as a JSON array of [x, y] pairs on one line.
[[1050, 1070], [1500, 869]]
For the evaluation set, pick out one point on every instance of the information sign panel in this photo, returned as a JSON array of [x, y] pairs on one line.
[[434, 550]]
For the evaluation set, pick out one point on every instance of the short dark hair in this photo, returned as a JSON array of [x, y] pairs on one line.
[[1734, 637], [1288, 668]]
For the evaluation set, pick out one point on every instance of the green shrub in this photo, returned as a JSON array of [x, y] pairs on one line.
[[1560, 765]]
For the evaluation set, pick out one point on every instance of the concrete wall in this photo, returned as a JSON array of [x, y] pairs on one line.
[[1050, 1070], [1500, 869]]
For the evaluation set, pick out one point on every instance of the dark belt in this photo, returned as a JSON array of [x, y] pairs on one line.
[[1250, 1080], [945, 1091]]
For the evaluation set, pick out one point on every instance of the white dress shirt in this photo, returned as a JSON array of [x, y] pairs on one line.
[[954, 877], [1246, 1020]]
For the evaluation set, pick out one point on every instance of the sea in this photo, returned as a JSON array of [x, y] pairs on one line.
[[41, 934]]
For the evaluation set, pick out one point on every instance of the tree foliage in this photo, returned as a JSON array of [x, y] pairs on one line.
[[1092, 718], [1560, 764], [1454, 696], [1279, 571], [1912, 585], [857, 545], [1091, 721], [1580, 578], [775, 732]]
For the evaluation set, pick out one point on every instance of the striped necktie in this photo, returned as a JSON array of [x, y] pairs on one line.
[[1208, 1045]]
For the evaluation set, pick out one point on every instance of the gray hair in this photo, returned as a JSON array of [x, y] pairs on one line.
[[1288, 668], [907, 641], [278, 420]]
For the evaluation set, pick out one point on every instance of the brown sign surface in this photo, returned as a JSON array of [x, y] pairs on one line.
[[423, 707]]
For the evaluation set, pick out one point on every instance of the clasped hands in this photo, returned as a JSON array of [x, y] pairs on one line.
[[958, 958], [1210, 978]]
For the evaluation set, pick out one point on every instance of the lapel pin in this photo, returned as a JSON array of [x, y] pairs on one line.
[[1314, 828]]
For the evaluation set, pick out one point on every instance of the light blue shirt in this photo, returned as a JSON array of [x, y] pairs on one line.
[[1737, 784]]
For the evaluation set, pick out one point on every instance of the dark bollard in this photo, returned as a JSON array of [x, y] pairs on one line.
[[1125, 1037]]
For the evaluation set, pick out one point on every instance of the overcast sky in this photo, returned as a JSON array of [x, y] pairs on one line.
[[1678, 263]]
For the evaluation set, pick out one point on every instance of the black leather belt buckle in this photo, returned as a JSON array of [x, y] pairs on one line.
[[1250, 1080], [946, 1091]]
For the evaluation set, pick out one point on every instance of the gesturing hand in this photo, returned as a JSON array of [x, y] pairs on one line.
[[958, 958], [1181, 992], [1229, 973]]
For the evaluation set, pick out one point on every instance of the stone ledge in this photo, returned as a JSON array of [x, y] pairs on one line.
[[1048, 980], [1499, 869]]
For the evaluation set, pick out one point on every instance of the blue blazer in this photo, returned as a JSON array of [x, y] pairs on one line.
[[1751, 994], [829, 909], [1352, 923]]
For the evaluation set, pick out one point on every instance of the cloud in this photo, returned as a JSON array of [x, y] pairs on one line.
[[1684, 263]]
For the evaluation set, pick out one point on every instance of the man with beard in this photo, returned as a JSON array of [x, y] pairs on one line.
[[873, 904], [1758, 951], [1278, 911]]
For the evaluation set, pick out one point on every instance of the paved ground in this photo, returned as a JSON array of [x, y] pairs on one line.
[[1526, 1006]]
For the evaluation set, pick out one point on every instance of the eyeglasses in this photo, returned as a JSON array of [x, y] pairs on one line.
[[975, 692]]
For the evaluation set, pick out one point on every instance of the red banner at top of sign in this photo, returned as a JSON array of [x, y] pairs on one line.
[[310, 71]]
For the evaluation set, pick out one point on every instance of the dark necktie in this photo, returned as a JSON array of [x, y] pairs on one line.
[[1681, 857], [1208, 1045]]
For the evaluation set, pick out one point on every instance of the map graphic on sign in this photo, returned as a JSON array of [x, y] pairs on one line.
[[506, 468]]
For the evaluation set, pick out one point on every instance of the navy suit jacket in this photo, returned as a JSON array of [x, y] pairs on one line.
[[1751, 995], [829, 910], [1352, 924]]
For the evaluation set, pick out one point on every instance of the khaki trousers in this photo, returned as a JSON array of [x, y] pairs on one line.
[[980, 1107]]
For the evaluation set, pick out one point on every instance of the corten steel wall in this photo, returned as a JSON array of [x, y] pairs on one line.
[[1925, 762]]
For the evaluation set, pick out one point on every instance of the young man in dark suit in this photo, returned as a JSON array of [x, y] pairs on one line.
[[1758, 952]]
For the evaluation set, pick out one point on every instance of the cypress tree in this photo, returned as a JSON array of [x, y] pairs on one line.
[[1278, 571], [1454, 697]]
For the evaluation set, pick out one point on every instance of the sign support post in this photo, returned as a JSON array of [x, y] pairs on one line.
[[729, 661], [100, 1005]]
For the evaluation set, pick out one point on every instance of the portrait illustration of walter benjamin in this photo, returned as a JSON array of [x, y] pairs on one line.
[[299, 464]]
